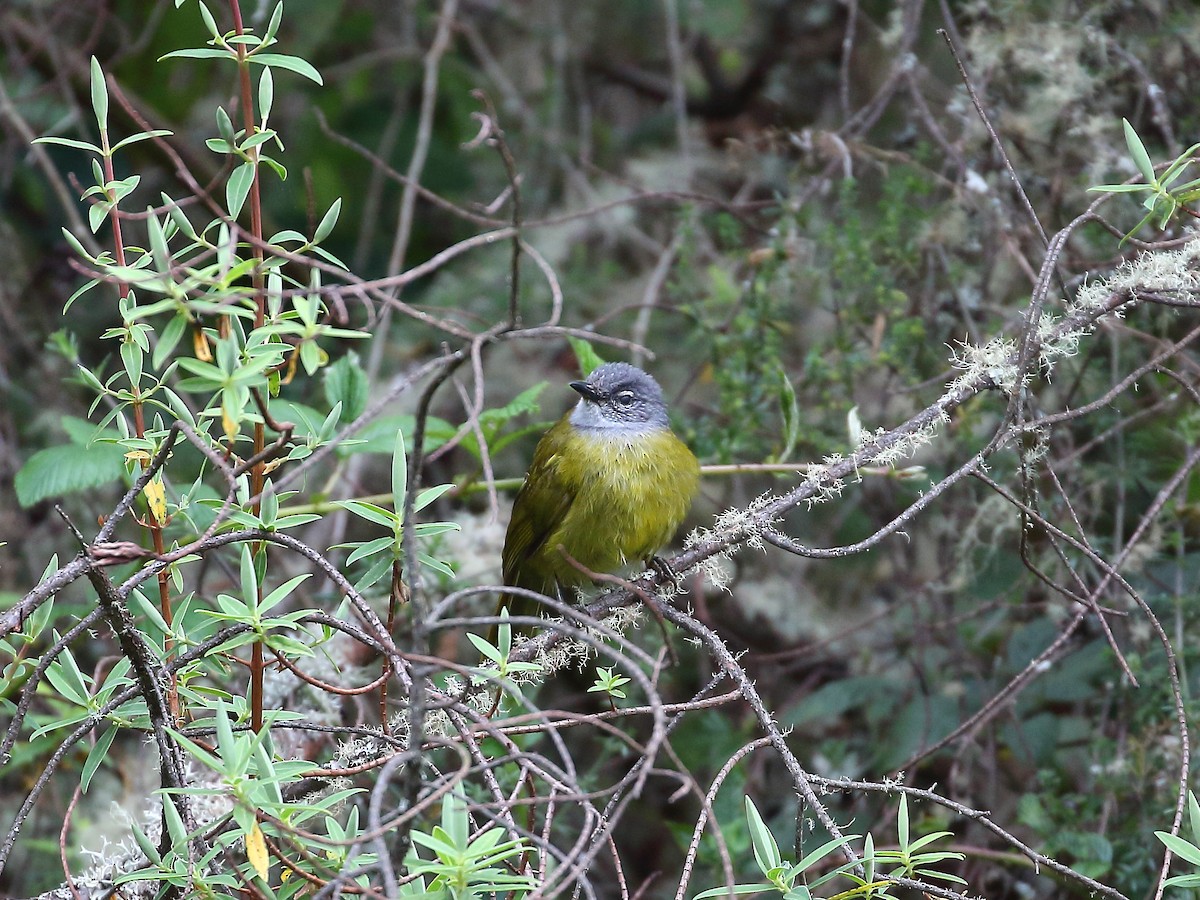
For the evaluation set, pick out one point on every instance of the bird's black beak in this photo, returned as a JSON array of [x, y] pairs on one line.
[[586, 391]]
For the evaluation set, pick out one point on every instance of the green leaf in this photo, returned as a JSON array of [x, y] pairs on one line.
[[1118, 188], [328, 221], [209, 22], [95, 756], [238, 188], [266, 95], [273, 25], [68, 142], [97, 213], [199, 53], [280, 593], [1193, 813], [169, 339], [158, 243], [64, 674], [1181, 848], [589, 360], [225, 127], [766, 850], [291, 63], [1176, 168], [143, 841], [381, 567], [1137, 152], [485, 648], [370, 548], [141, 602], [399, 475], [346, 382], [371, 512], [67, 470], [141, 136], [737, 890], [99, 96]]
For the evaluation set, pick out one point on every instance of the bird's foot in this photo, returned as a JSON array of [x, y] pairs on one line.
[[663, 569]]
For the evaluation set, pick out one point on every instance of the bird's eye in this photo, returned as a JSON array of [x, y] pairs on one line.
[[624, 398]]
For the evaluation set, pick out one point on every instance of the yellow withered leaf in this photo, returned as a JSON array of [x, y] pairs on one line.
[[156, 498], [256, 851], [200, 345]]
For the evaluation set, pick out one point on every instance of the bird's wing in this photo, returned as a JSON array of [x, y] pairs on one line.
[[540, 507]]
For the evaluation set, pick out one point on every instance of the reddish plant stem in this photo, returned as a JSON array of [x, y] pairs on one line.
[[257, 664], [139, 423]]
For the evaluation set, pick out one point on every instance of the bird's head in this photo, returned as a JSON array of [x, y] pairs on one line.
[[619, 397]]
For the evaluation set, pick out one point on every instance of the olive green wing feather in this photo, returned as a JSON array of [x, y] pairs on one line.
[[540, 507]]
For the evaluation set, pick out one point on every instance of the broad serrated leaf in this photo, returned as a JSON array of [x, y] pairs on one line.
[[589, 360], [57, 471]]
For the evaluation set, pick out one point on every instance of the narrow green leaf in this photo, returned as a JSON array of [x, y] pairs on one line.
[[485, 648], [227, 744], [427, 496], [141, 136], [139, 601], [256, 140], [145, 844], [328, 221], [169, 339], [766, 850], [266, 96], [280, 593], [1118, 188], [175, 827], [1181, 848], [68, 142], [131, 358], [399, 476], [1177, 166], [199, 53], [95, 756], [737, 889], [369, 548], [238, 188], [249, 579], [209, 22], [371, 512], [97, 213], [291, 63], [225, 127], [273, 25], [99, 96], [64, 674], [1137, 151], [158, 243]]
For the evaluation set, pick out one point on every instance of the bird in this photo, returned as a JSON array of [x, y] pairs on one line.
[[609, 484]]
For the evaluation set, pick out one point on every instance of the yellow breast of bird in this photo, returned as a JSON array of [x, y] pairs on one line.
[[630, 495]]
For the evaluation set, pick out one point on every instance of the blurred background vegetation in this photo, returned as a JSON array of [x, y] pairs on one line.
[[796, 208]]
